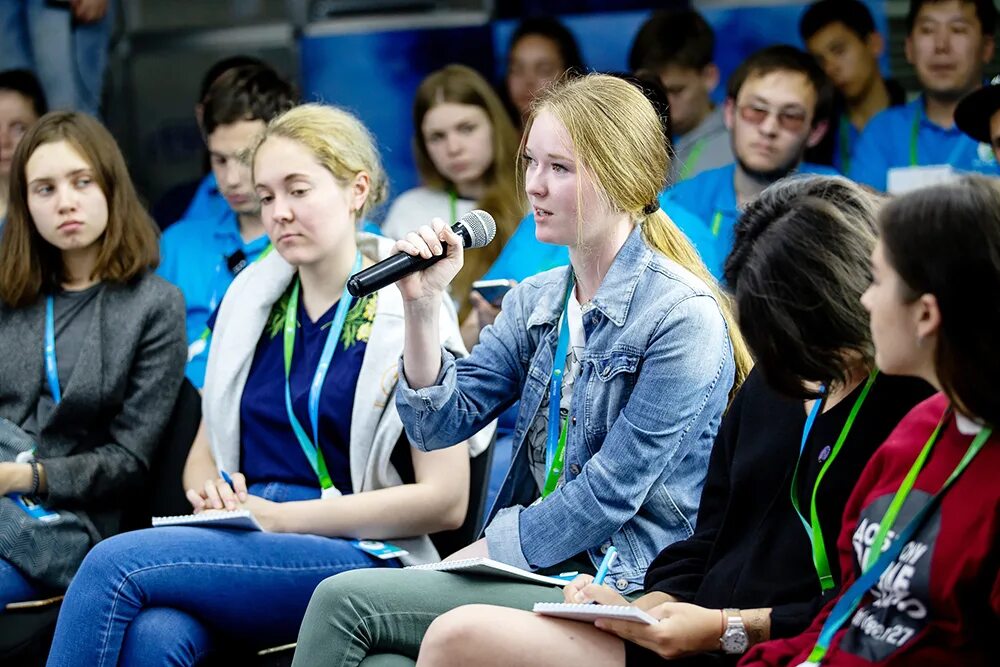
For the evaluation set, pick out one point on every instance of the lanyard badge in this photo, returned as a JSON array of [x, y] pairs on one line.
[[309, 447], [555, 445], [878, 561], [813, 528]]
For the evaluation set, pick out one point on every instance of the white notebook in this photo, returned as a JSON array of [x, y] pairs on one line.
[[489, 568], [592, 612], [235, 519]]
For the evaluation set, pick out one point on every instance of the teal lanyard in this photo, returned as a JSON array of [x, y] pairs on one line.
[[692, 160], [51, 367], [877, 561], [311, 448], [813, 528], [555, 445]]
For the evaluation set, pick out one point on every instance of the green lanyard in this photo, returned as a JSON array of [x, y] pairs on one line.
[[878, 560], [813, 528], [914, 134], [716, 223], [692, 160], [845, 145], [555, 446]]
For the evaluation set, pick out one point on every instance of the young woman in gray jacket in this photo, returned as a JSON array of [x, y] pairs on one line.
[[93, 352]]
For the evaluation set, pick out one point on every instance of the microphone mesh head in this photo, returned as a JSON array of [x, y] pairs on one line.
[[481, 227]]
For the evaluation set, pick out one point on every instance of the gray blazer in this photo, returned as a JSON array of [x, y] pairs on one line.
[[98, 442]]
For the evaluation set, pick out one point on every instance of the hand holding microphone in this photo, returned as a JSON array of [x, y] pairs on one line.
[[428, 258]]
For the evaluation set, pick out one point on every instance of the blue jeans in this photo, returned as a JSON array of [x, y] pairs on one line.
[[68, 58], [14, 586], [170, 596]]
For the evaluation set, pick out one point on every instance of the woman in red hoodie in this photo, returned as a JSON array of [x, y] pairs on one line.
[[919, 549]]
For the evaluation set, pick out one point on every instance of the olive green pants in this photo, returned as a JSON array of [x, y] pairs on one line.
[[378, 617]]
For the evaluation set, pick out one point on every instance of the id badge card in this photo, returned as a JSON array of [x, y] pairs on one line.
[[900, 180], [382, 550], [34, 509]]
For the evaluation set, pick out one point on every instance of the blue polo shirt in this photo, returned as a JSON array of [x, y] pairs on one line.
[[888, 142], [207, 203], [194, 254], [524, 255], [711, 197]]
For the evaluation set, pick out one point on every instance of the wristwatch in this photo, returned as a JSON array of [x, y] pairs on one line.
[[734, 638]]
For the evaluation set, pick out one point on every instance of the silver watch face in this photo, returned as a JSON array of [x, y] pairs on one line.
[[735, 640]]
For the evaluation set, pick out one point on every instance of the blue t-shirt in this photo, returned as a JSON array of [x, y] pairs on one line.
[[524, 255], [196, 255], [711, 197], [269, 449], [887, 142], [207, 202]]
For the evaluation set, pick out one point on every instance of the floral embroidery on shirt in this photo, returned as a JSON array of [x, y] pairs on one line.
[[357, 324]]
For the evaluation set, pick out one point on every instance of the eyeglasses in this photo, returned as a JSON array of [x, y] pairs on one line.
[[790, 121]]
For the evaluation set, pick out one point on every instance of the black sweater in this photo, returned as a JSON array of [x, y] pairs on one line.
[[749, 549]]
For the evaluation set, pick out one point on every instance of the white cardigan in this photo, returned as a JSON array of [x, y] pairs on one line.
[[375, 424]]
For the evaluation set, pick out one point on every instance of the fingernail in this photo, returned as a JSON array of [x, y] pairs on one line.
[[579, 597]]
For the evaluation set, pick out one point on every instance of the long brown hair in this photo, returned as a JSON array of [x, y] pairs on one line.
[[30, 265], [462, 85]]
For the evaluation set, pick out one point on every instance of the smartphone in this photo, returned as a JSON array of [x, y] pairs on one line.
[[33, 509], [493, 290]]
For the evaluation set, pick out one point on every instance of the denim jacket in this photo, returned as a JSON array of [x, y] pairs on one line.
[[654, 381]]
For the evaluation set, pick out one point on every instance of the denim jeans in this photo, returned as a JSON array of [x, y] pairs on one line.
[[173, 595], [68, 58], [14, 586]]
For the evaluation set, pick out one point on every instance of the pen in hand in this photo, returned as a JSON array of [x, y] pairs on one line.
[[602, 571], [229, 480]]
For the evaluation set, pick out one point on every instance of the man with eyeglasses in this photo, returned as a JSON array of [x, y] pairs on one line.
[[778, 105], [948, 43]]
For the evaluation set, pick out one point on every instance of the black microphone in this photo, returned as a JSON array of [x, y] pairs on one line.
[[476, 228]]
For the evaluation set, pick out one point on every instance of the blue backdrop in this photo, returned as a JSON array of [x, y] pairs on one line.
[[376, 73]]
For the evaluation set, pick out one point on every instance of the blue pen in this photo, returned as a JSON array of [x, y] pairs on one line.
[[602, 571], [229, 480]]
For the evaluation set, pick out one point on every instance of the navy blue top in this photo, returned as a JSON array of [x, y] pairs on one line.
[[269, 449]]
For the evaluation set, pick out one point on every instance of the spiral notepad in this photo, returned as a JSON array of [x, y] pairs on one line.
[[592, 612], [490, 568], [234, 519]]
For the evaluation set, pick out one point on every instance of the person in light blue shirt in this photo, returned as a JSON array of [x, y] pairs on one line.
[[842, 36], [778, 106], [202, 253], [948, 44], [524, 255]]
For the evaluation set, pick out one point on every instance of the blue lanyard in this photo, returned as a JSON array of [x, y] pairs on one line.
[[51, 369], [556, 435], [849, 601], [311, 448]]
